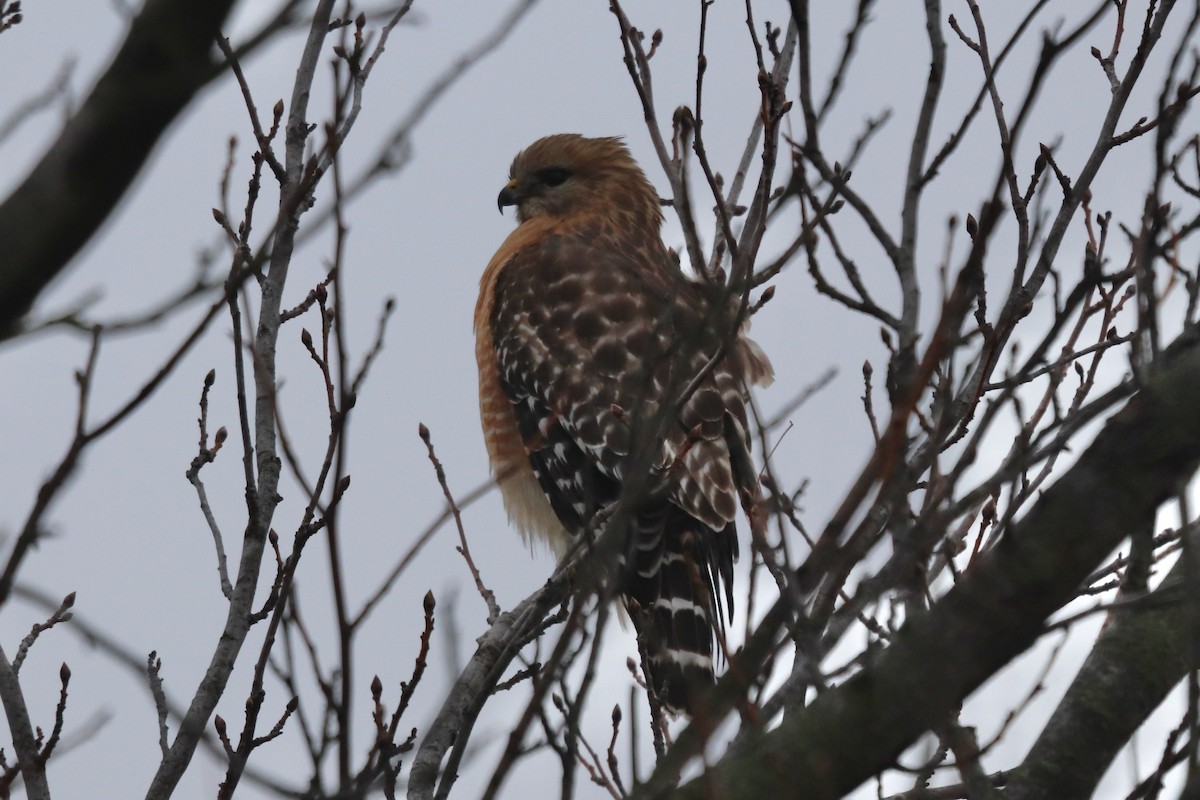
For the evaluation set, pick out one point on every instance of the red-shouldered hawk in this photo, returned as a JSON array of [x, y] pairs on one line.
[[584, 324]]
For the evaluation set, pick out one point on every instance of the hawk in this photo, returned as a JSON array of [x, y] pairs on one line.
[[585, 329]]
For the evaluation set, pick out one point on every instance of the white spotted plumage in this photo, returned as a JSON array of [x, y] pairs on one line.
[[585, 329]]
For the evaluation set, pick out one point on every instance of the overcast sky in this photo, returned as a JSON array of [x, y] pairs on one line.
[[128, 536]]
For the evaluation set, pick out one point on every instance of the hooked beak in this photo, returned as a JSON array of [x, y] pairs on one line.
[[508, 195]]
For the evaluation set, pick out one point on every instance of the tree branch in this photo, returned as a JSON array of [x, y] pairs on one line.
[[164, 61], [1143, 652], [1141, 458]]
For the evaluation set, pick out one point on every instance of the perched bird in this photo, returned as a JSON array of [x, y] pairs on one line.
[[585, 329]]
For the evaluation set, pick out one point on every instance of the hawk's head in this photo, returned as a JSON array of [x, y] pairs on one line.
[[567, 174]]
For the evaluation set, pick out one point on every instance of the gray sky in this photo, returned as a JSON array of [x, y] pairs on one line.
[[128, 536]]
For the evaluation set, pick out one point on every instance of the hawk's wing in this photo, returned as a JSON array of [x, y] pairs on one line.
[[591, 342]]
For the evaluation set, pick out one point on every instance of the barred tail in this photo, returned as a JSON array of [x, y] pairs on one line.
[[679, 566]]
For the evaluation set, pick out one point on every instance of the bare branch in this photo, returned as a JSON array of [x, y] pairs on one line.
[[61, 614], [489, 597], [33, 769], [131, 105]]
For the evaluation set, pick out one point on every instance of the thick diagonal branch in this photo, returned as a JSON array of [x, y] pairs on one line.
[[1140, 656], [1140, 459], [165, 59]]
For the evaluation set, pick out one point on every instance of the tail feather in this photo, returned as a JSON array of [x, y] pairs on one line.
[[673, 594]]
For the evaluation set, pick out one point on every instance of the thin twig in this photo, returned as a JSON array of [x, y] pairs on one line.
[[489, 597], [61, 614]]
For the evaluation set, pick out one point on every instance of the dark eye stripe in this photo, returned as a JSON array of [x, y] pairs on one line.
[[553, 176]]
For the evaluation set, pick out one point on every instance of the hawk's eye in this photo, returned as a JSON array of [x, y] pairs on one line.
[[553, 176]]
